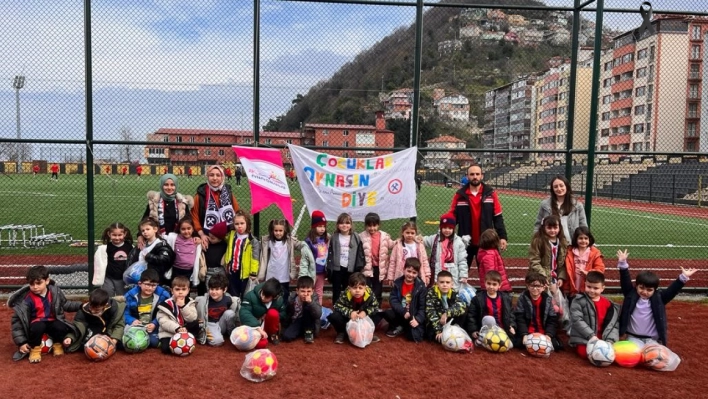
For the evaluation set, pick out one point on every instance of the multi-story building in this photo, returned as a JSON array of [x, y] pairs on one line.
[[444, 159], [335, 135], [398, 104], [455, 107]]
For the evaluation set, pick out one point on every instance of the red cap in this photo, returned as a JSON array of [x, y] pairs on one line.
[[318, 219], [448, 220], [219, 230]]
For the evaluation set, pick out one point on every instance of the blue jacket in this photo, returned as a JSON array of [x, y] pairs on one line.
[[132, 299]]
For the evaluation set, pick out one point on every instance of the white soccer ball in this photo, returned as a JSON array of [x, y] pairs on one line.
[[600, 353]]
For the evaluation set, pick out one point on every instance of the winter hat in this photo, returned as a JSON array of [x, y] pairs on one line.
[[219, 230], [318, 219], [447, 220]]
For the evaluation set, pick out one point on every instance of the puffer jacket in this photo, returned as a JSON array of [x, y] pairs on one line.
[[249, 262], [253, 309], [397, 262], [291, 243], [595, 263], [184, 204], [314, 308], [132, 300], [385, 246], [583, 317], [167, 316], [111, 320], [21, 312], [488, 260], [523, 314], [458, 267], [434, 308], [478, 309], [356, 254], [416, 307], [202, 304], [307, 265], [161, 258], [345, 304], [543, 264]]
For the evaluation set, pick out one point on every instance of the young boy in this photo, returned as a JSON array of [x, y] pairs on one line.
[[264, 307], [494, 303], [212, 257], [407, 300], [534, 311], [100, 315], [357, 303], [377, 246], [593, 315], [303, 312], [38, 309], [141, 304], [442, 303], [177, 314], [643, 317], [218, 310]]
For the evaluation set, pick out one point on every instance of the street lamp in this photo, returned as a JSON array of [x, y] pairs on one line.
[[17, 84]]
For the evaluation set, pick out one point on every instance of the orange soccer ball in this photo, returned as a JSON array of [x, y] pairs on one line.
[[99, 348]]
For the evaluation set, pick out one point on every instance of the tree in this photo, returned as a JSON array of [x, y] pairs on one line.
[[126, 135]]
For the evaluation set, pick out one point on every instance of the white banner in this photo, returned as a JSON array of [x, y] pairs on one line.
[[334, 185]]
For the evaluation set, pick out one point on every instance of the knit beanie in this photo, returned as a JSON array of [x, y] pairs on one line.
[[447, 220], [318, 219], [219, 230]]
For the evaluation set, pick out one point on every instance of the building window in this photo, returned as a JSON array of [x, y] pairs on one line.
[[650, 91], [325, 132], [289, 141], [693, 110], [346, 144], [166, 139], [695, 52], [639, 110], [345, 132], [191, 139], [607, 82], [607, 99], [639, 128], [325, 143], [221, 153], [639, 91], [207, 140], [603, 148], [691, 129], [268, 141], [637, 147], [696, 32], [345, 155], [648, 130], [605, 116], [651, 72], [604, 132], [694, 71], [561, 110], [642, 54], [693, 91], [652, 53], [690, 146], [207, 152], [641, 72], [608, 65]]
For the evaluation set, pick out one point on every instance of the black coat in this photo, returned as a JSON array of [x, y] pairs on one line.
[[523, 314], [478, 309], [463, 213], [416, 308], [161, 258]]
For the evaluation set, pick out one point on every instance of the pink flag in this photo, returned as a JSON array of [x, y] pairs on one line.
[[266, 178]]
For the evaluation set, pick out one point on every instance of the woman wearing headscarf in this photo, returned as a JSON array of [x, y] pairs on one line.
[[167, 206], [214, 203]]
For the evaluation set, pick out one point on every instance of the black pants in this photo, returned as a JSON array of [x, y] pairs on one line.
[[339, 280], [237, 286], [56, 329], [181, 272], [376, 284], [339, 321], [192, 327], [471, 255], [298, 327], [397, 320], [286, 291]]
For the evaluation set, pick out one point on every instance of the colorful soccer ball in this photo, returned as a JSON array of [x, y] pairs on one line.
[[245, 338], [260, 365], [496, 340], [99, 348], [600, 353], [655, 356], [538, 345], [627, 353], [46, 344], [455, 339], [182, 344], [135, 339], [131, 275]]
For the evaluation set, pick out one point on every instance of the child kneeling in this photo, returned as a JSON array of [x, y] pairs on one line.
[[407, 299], [217, 312], [141, 305], [303, 313], [593, 315], [357, 303], [492, 304]]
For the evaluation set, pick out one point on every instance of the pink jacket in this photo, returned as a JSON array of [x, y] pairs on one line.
[[396, 263], [385, 247], [488, 260]]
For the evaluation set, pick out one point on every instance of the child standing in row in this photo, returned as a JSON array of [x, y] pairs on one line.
[[534, 311], [242, 254], [407, 299], [592, 315], [313, 253], [547, 252], [582, 258], [101, 315], [356, 303], [489, 259], [345, 255], [157, 253], [111, 259], [217, 312], [448, 251], [189, 258], [141, 305], [407, 246], [278, 255], [177, 314], [377, 245]]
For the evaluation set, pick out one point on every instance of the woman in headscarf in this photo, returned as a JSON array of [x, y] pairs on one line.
[[214, 203], [166, 206]]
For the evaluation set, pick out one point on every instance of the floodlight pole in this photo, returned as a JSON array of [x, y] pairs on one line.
[[17, 84]]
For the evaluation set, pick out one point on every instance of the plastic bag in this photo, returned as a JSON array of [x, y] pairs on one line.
[[131, 275], [361, 331], [324, 322], [466, 293], [659, 358], [456, 339], [259, 365], [252, 283], [560, 305]]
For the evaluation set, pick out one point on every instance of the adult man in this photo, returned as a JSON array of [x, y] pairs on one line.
[[477, 208]]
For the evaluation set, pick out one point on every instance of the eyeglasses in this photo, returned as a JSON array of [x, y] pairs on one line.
[[149, 285], [536, 286]]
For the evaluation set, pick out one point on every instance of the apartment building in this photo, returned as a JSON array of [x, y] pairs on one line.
[[445, 159], [359, 136]]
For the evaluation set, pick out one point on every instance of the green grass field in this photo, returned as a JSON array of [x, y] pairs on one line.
[[61, 208]]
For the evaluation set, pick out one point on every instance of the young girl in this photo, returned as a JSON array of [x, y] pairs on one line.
[[547, 252], [489, 258], [242, 254], [345, 255], [111, 259], [189, 258], [278, 254], [157, 253], [313, 253], [582, 258], [407, 247], [448, 251]]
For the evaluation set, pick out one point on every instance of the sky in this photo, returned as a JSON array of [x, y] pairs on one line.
[[178, 63]]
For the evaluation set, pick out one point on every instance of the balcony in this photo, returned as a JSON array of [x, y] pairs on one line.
[[694, 76]]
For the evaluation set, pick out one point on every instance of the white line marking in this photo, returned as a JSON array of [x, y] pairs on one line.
[[29, 192]]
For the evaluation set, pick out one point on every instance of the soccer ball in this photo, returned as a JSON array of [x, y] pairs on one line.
[[182, 344], [455, 339], [627, 353], [131, 275], [245, 338], [538, 345], [135, 339], [99, 348], [260, 365], [656, 357], [600, 353], [496, 340], [46, 344]]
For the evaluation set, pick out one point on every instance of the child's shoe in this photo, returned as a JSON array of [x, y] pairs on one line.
[[275, 339], [375, 338], [309, 337], [35, 354], [58, 349], [202, 334], [395, 332], [340, 338]]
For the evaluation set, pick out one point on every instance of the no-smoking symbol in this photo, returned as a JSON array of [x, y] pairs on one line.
[[395, 186]]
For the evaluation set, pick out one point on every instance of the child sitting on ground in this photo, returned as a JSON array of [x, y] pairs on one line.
[[442, 303], [534, 312], [217, 312], [102, 315], [264, 307], [593, 315], [303, 313], [356, 303], [407, 299], [492, 302], [141, 304], [38, 308], [177, 314]]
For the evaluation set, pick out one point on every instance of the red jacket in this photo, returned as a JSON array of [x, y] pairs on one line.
[[55, 168], [488, 260], [595, 262]]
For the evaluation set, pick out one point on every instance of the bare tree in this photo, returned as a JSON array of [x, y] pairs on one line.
[[126, 135], [12, 151]]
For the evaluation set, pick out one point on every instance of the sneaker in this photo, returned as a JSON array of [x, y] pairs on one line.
[[375, 339], [340, 338], [202, 334], [309, 337], [35, 355], [557, 345], [19, 356], [395, 332], [58, 349], [275, 339]]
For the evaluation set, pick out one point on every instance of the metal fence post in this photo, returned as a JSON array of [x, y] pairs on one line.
[[673, 189], [651, 179], [630, 188]]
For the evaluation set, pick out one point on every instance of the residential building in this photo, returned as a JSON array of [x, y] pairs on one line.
[[492, 36], [455, 107], [448, 46], [444, 159], [359, 136], [530, 37], [517, 20], [558, 36], [470, 31], [398, 104]]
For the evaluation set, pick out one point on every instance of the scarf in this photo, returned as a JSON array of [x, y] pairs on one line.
[[215, 214], [163, 179], [161, 214]]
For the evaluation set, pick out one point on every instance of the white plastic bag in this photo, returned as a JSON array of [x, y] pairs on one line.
[[455, 338], [259, 365], [560, 305], [361, 331]]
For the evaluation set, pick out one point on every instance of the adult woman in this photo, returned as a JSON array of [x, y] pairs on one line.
[[213, 203], [562, 203], [166, 206]]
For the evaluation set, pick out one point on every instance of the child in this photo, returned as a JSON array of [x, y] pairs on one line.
[[547, 252], [493, 302], [278, 255], [377, 245], [441, 304], [303, 312], [157, 253], [141, 305], [189, 258], [100, 315], [593, 315], [313, 253], [264, 307], [357, 303], [448, 251], [643, 316], [242, 254], [582, 258], [489, 259], [214, 256], [218, 310], [177, 314], [111, 259], [407, 247], [534, 311], [345, 255], [38, 308], [407, 299]]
